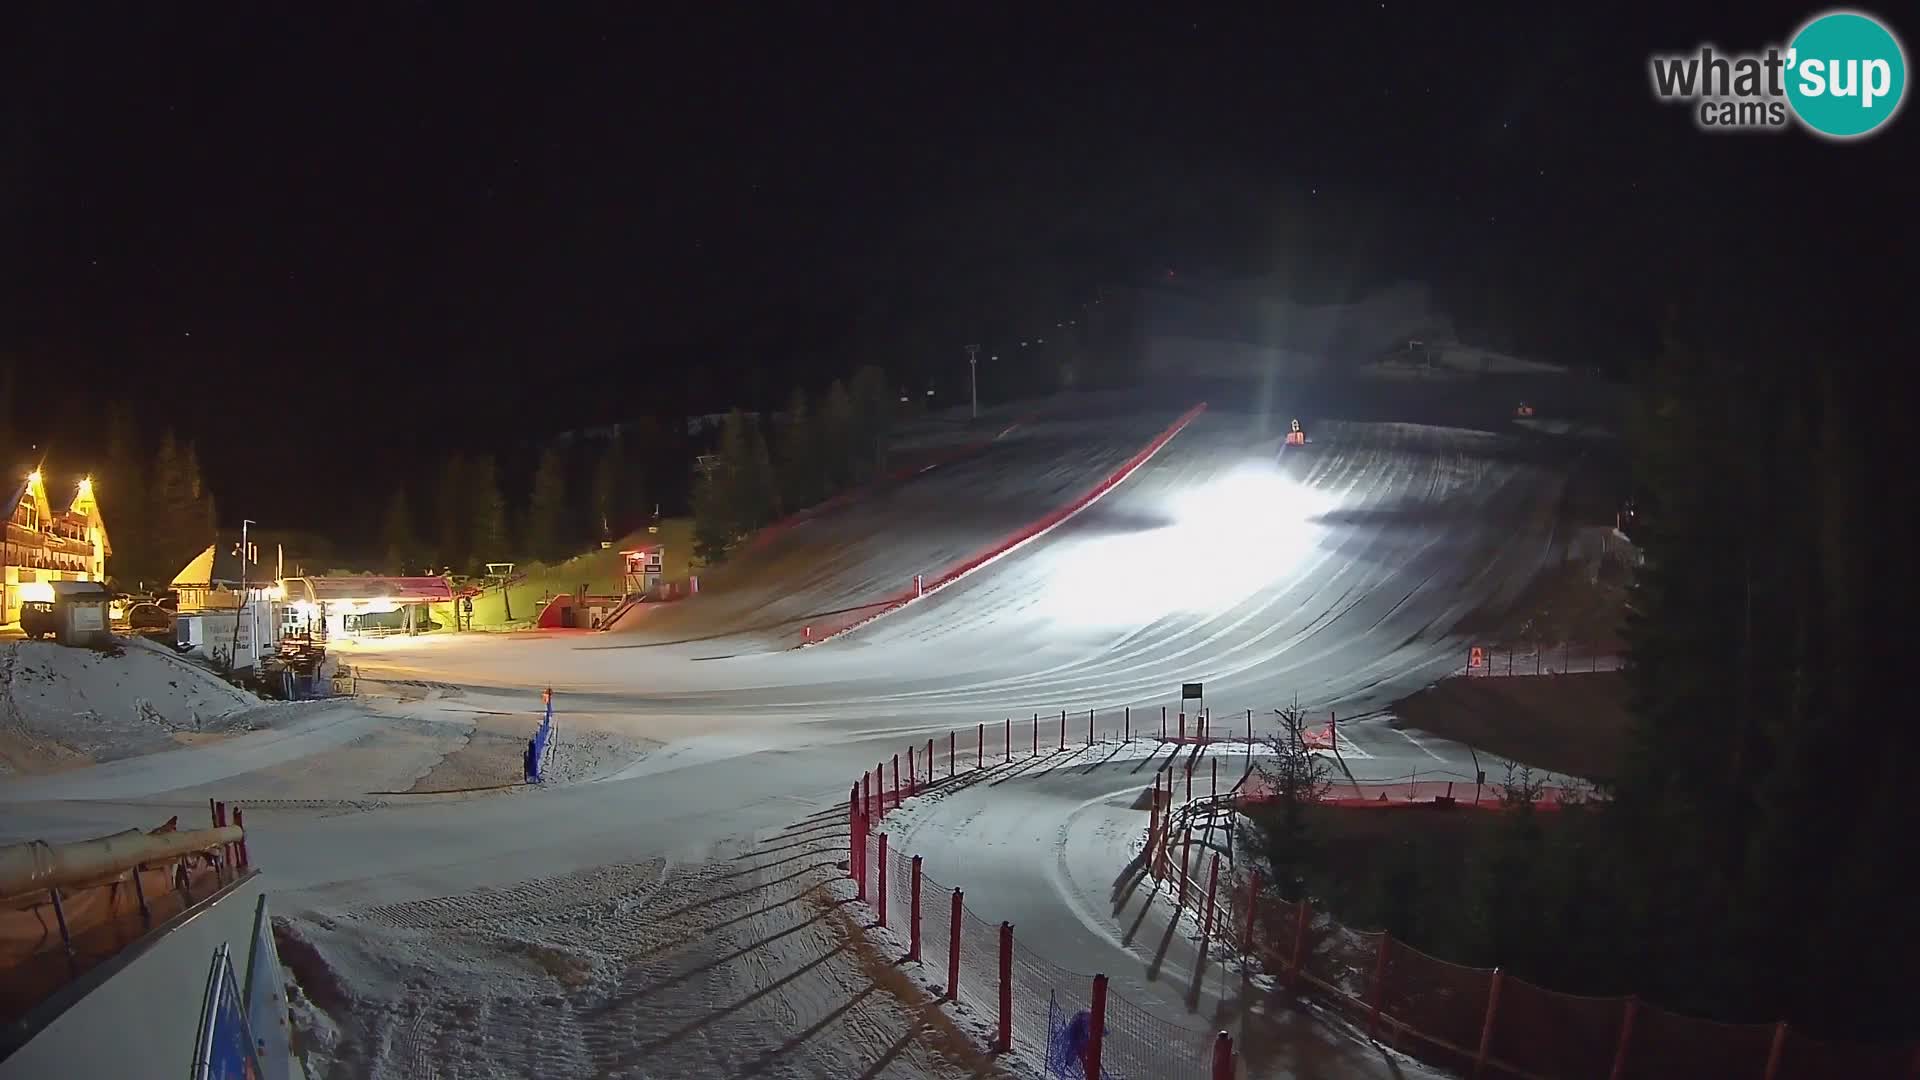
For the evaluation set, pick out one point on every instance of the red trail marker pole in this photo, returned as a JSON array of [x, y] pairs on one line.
[[1036, 734], [1009, 748], [1222, 1057], [1063, 729], [1126, 724], [1186, 859], [913, 939], [1213, 882], [953, 946], [1096, 1027], [896, 781], [883, 876], [949, 755], [910, 771], [1003, 1038], [980, 748], [1089, 727]]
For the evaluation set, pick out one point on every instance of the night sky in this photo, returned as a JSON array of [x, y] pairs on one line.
[[425, 227]]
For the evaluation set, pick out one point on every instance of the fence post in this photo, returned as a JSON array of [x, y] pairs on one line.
[[1126, 724], [1222, 1057], [853, 831], [1374, 991], [1063, 729], [1008, 752], [1186, 853], [1214, 764], [1486, 1028], [1089, 727], [1003, 1039], [866, 799], [240, 845], [1253, 902], [1163, 721], [1036, 734], [1183, 725], [883, 875], [913, 931], [1189, 779], [1153, 821], [896, 781], [1304, 916], [859, 859], [1779, 1047], [912, 779], [953, 946], [1096, 1027], [949, 755], [1626, 1038], [980, 748], [880, 788], [1213, 882]]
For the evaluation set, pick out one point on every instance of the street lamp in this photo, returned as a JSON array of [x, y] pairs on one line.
[[973, 377], [246, 605]]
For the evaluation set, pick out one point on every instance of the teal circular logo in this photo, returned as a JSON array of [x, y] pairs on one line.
[[1846, 74]]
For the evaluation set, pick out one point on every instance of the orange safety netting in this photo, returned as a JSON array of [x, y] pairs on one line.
[[1544, 1033], [101, 919]]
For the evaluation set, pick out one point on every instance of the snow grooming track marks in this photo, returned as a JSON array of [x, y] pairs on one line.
[[740, 966], [1032, 532]]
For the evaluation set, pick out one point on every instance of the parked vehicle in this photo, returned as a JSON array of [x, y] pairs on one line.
[[36, 619], [142, 618]]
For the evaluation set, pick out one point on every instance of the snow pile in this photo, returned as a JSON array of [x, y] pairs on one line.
[[65, 706]]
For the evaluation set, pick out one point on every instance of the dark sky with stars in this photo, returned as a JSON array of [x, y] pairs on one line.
[[401, 215]]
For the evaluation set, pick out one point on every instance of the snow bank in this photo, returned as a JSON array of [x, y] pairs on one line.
[[66, 706]]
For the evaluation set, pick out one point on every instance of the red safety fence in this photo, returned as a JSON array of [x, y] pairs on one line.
[[1479, 1021], [1482, 1021], [980, 963], [832, 624]]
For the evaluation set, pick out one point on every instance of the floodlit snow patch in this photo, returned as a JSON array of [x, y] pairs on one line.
[[1228, 539]]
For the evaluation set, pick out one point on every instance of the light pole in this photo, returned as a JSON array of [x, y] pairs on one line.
[[973, 377], [246, 606]]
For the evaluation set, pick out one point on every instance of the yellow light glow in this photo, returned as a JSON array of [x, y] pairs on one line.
[[33, 477], [30, 591], [86, 487]]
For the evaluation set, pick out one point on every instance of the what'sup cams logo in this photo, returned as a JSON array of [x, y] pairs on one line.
[[1842, 76]]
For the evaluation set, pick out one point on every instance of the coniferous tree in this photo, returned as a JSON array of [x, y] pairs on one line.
[[454, 514], [488, 528], [547, 508], [612, 491], [872, 408], [397, 532], [799, 466], [837, 445], [713, 521]]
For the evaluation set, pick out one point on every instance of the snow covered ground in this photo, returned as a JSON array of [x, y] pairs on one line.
[[63, 708], [659, 912]]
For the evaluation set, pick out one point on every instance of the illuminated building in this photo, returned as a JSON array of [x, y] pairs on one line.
[[44, 545]]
